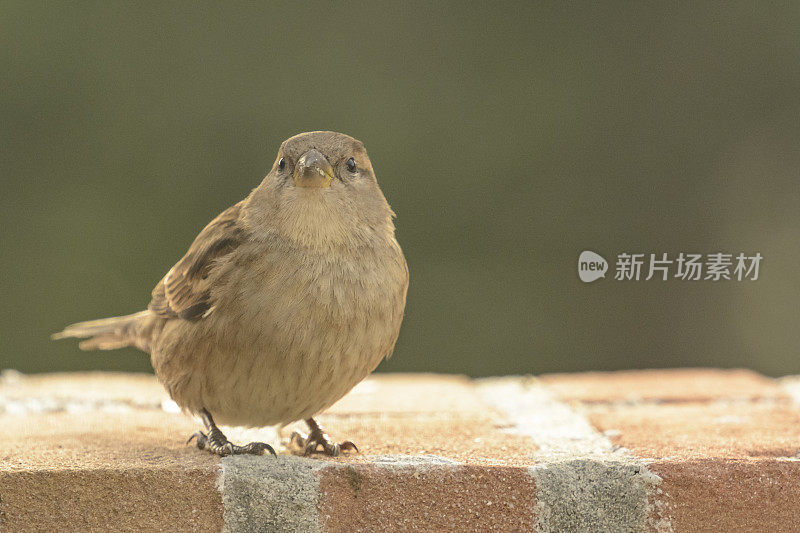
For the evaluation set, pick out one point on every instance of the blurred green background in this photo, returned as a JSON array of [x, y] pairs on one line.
[[507, 137]]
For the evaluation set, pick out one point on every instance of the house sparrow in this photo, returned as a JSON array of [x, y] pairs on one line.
[[282, 304]]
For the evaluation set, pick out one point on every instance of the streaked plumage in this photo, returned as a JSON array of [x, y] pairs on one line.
[[283, 302]]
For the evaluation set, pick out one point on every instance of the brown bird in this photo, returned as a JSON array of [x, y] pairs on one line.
[[282, 304]]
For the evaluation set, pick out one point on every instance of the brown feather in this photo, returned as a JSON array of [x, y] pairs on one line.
[[184, 292]]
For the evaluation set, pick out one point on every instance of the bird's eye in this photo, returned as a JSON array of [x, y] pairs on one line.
[[282, 163], [351, 165]]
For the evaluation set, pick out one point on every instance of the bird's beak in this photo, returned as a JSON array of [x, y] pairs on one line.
[[313, 170]]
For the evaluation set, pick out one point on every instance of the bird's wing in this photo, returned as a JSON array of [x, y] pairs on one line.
[[185, 291]]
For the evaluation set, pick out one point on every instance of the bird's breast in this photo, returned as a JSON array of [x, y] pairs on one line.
[[305, 328], [290, 334]]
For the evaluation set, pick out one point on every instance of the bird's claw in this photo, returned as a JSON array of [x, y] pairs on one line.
[[311, 443], [216, 442]]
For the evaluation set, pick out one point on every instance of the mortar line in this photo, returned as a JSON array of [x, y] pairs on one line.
[[584, 482]]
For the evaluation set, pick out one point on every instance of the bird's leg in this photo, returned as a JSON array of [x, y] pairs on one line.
[[317, 437], [216, 442]]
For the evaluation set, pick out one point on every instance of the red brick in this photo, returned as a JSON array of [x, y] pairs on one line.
[[670, 385], [730, 495], [431, 498], [731, 430]]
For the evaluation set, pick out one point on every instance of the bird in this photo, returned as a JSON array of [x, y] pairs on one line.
[[281, 305]]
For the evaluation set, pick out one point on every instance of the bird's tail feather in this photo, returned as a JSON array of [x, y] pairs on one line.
[[106, 333]]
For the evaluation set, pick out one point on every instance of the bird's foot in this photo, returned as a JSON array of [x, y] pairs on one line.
[[216, 442], [310, 443]]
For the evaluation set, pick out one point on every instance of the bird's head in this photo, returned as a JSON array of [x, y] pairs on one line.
[[323, 160], [322, 188]]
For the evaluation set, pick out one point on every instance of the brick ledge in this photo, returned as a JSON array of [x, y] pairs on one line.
[[697, 449]]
